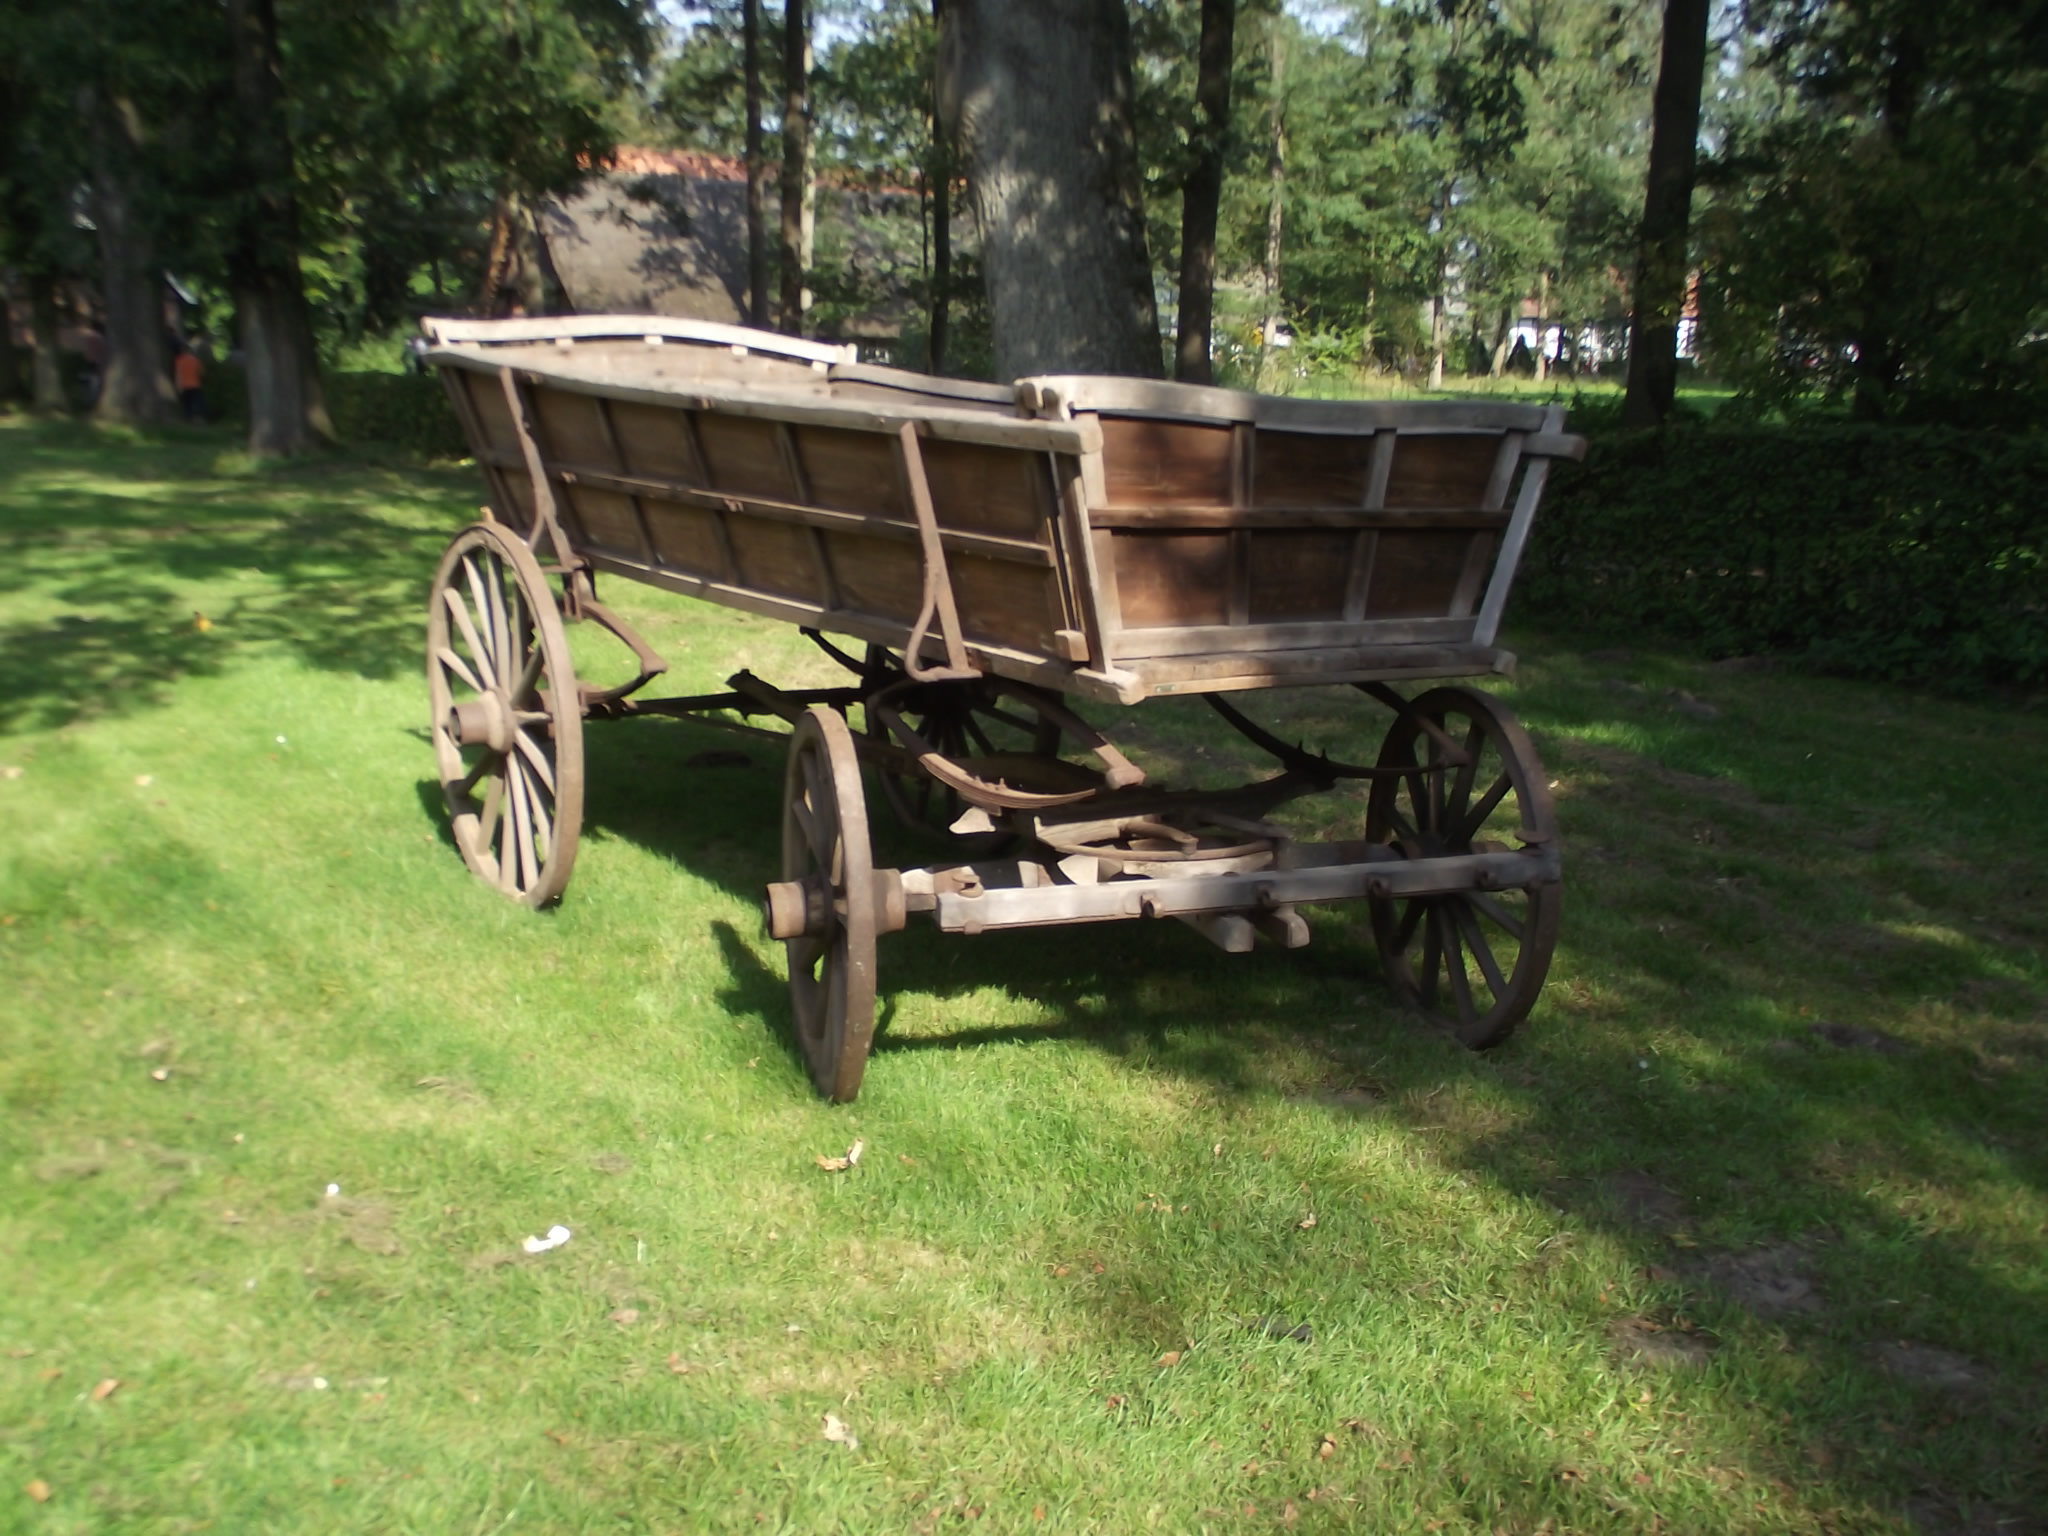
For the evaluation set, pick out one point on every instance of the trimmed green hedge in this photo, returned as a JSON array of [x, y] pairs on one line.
[[1893, 552], [408, 411]]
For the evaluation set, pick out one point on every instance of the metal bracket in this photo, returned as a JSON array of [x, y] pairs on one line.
[[938, 581], [544, 514]]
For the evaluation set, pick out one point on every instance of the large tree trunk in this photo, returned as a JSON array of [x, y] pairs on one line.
[[135, 380], [1659, 296], [1038, 99], [47, 374], [1276, 207], [287, 407], [757, 176], [1202, 195], [796, 159], [941, 182], [1878, 356]]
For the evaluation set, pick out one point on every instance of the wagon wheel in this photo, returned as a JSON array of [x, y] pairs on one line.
[[506, 720], [1493, 801], [825, 849]]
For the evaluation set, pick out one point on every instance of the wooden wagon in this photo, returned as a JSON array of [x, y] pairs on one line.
[[995, 554]]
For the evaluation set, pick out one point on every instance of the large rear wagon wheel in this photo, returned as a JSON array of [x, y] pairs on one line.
[[827, 862], [506, 717], [1474, 962]]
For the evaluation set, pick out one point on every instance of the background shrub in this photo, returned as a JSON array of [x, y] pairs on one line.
[[408, 411], [1893, 552]]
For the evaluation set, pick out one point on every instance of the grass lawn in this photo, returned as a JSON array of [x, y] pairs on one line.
[[1744, 1232]]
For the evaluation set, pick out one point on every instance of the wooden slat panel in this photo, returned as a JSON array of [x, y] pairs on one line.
[[1005, 604], [850, 471], [883, 577], [777, 558], [602, 520], [1416, 574], [744, 456], [986, 489], [1149, 462], [1306, 469], [1251, 640], [494, 416], [656, 441], [1168, 517], [570, 426], [1442, 470], [687, 539], [1167, 579], [1298, 575]]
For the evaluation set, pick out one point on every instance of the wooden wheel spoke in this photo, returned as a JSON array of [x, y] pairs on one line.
[[1454, 965], [530, 750], [448, 658], [477, 650], [529, 674], [543, 825], [1461, 786], [1411, 919], [1502, 918], [483, 764], [522, 822], [1402, 827], [1476, 818], [1482, 952], [1432, 942]]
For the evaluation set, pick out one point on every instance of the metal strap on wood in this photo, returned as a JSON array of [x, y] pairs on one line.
[[938, 581], [544, 514]]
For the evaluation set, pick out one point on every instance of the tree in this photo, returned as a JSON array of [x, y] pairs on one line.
[[796, 161], [757, 175], [1038, 98], [1202, 194], [1658, 293], [287, 407]]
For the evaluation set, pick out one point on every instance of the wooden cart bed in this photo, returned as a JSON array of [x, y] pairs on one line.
[[1110, 538]]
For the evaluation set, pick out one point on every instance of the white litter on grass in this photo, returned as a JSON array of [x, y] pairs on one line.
[[555, 1238], [333, 1191], [280, 741]]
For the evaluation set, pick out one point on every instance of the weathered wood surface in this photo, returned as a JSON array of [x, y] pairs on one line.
[[1107, 537]]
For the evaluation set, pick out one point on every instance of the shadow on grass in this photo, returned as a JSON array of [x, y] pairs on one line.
[[147, 544], [1684, 1069]]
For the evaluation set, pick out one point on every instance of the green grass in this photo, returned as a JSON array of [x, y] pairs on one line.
[[1087, 1150]]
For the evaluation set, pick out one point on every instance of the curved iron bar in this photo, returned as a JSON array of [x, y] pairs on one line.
[[1295, 759]]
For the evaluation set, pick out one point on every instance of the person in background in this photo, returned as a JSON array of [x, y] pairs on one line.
[[190, 376]]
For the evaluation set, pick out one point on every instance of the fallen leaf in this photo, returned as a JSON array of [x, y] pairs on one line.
[[906, 1159], [1307, 1221], [144, 780], [1038, 1511], [625, 1317], [837, 1432], [556, 1435], [1059, 1271], [1217, 1150], [160, 1075], [1170, 1359], [12, 771], [19, 1354], [1289, 1512], [1641, 1479], [51, 1374], [1327, 1449], [679, 1366], [38, 1490], [841, 1164], [106, 1389], [1113, 1403], [201, 622]]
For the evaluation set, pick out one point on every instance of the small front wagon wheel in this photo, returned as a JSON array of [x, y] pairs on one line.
[[826, 906], [507, 721], [1435, 807]]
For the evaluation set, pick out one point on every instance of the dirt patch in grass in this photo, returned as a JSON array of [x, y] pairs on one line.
[[1643, 1340], [1936, 1370], [1642, 1202], [1772, 1281]]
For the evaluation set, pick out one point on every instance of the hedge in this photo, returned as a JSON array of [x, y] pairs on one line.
[[1903, 553], [408, 411]]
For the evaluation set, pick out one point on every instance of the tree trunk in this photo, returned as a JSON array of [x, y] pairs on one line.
[[135, 380], [1659, 295], [1503, 339], [287, 407], [941, 182], [1439, 328], [1276, 206], [1038, 100], [47, 386], [1542, 325], [757, 178], [1202, 195], [796, 158], [1878, 359]]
